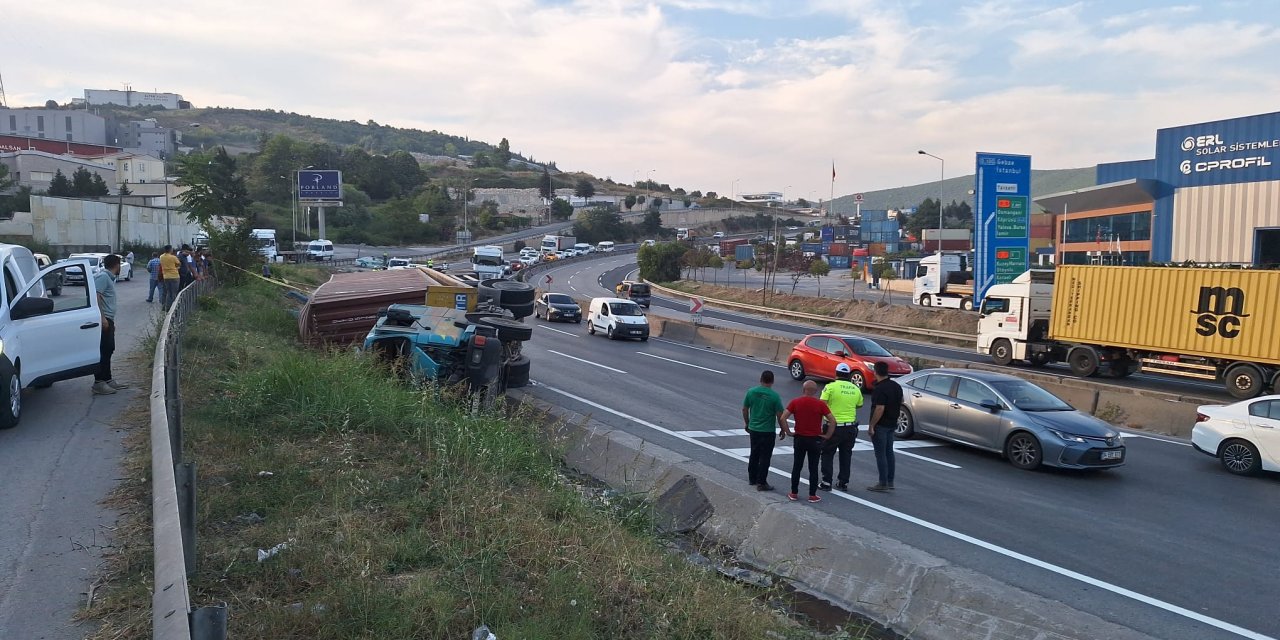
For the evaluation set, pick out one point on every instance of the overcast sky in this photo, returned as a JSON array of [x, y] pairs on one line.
[[702, 92]]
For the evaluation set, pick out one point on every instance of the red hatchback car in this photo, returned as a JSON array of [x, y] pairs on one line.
[[817, 355]]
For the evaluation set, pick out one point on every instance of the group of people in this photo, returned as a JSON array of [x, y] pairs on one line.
[[171, 271], [825, 429]]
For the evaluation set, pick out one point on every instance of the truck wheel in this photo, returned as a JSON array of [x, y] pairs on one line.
[[1083, 361], [1037, 359], [518, 373], [1123, 367], [508, 330], [509, 292], [926, 300], [520, 311], [1002, 352], [1244, 381], [10, 395], [966, 304]]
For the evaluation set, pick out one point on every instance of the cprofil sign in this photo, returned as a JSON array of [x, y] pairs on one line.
[[1222, 152]]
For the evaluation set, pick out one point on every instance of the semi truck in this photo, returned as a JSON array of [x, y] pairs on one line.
[[487, 261], [1217, 325], [943, 280], [552, 244], [265, 239]]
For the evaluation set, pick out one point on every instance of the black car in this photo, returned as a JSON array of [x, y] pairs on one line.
[[557, 306]]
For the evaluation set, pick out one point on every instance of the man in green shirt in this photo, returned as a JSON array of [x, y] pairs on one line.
[[762, 418], [844, 398]]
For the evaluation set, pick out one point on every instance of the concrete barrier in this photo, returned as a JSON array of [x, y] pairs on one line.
[[906, 589]]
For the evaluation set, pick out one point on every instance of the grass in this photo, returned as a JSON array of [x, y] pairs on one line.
[[406, 516]]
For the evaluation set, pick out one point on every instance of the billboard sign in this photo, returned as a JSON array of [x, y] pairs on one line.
[[1223, 152], [319, 185], [1003, 220]]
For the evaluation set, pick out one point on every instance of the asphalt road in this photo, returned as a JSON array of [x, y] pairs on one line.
[[59, 463], [1167, 537]]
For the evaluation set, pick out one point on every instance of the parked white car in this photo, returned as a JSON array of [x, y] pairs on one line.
[[76, 275], [1244, 436]]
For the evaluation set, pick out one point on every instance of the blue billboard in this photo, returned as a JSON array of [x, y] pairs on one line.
[[1002, 220], [322, 184], [1223, 152]]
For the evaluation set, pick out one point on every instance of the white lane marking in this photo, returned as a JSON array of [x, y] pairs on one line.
[[573, 287], [571, 335], [719, 353], [594, 364], [920, 457], [1128, 435], [778, 450], [715, 433], [650, 355], [951, 533]]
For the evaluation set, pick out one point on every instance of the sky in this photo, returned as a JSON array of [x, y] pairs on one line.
[[733, 96]]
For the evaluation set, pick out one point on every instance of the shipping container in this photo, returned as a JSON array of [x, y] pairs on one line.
[[812, 247], [839, 249], [744, 252], [930, 246], [728, 247], [828, 234], [860, 253], [838, 262], [875, 249]]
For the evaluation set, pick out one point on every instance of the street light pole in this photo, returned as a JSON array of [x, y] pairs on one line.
[[942, 177], [733, 188]]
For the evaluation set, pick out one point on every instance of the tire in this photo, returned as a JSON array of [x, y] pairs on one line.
[[644, 339], [1023, 451], [10, 396], [609, 333], [926, 300], [518, 373], [796, 368], [508, 330], [56, 291], [520, 311], [474, 317], [1244, 381], [1002, 352], [537, 315], [1240, 457], [1037, 360], [1122, 368], [966, 304], [906, 427], [1083, 361], [857, 380], [591, 328], [510, 292]]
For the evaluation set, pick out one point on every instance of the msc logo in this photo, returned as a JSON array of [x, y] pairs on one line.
[[1219, 311], [1199, 142]]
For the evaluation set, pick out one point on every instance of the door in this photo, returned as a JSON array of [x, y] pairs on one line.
[[970, 421], [931, 403], [1264, 417], [603, 320], [835, 353], [63, 340]]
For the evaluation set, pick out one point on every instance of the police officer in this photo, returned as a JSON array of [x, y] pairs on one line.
[[844, 398], [431, 264]]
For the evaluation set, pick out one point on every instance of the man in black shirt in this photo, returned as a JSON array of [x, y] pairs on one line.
[[886, 404]]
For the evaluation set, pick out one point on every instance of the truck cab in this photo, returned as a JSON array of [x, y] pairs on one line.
[[265, 239], [1016, 315], [943, 280], [487, 261]]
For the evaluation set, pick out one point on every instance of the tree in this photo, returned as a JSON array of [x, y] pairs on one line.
[[639, 199], [629, 201], [679, 191], [661, 262], [405, 171], [695, 194], [545, 188], [214, 188], [124, 190], [884, 271], [82, 183], [801, 202], [584, 189], [712, 195], [598, 224], [5, 181], [817, 269], [561, 209], [51, 104], [652, 224], [98, 187], [502, 155], [60, 186]]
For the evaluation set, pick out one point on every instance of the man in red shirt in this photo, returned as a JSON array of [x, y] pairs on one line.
[[808, 436]]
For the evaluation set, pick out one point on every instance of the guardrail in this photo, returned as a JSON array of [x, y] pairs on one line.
[[524, 274], [964, 339], [173, 492]]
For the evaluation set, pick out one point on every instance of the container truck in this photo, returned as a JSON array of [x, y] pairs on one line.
[[265, 241], [552, 244], [729, 247], [488, 262], [1206, 324], [943, 281]]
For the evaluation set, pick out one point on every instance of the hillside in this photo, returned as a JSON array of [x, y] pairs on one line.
[[1043, 182]]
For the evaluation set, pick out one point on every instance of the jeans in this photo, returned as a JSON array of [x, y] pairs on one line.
[[761, 456], [883, 443], [106, 347], [152, 287], [807, 448], [168, 292], [841, 441]]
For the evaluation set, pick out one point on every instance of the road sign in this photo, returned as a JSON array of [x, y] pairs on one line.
[[1001, 233], [319, 185], [857, 197], [548, 280], [695, 310]]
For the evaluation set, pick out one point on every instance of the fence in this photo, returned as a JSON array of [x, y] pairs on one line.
[[173, 492]]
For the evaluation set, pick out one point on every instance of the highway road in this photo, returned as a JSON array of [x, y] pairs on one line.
[[1169, 544], [59, 463]]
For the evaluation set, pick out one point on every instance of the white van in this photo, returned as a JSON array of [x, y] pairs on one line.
[[319, 250], [605, 247], [617, 318], [583, 248]]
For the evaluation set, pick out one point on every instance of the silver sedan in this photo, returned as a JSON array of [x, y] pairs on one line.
[[1004, 414]]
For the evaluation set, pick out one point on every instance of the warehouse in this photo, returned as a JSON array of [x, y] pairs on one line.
[[1210, 195]]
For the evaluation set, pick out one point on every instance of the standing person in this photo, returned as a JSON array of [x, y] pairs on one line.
[[128, 257], [886, 404], [197, 264], [105, 282], [810, 435], [170, 276], [186, 270], [762, 417], [153, 282], [844, 398], [207, 257]]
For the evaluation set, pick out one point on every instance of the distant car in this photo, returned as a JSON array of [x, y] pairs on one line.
[[816, 356], [717, 235], [76, 275], [515, 265], [52, 282], [1007, 415], [650, 243], [369, 262], [557, 306], [1244, 436]]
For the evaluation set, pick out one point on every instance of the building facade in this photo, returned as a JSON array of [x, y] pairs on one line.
[[36, 169], [146, 136], [131, 98], [54, 124]]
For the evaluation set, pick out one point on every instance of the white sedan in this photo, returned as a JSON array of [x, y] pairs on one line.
[[1245, 436]]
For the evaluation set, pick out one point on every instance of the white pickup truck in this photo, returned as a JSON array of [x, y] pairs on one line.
[[42, 340]]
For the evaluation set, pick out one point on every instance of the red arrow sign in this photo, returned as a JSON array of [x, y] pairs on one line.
[[695, 305], [548, 278]]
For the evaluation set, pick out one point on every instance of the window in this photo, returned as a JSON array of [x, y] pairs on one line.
[[42, 176], [10, 283], [817, 343], [919, 383], [68, 127], [72, 298], [995, 305], [1103, 229], [974, 392], [835, 346], [940, 385], [1127, 258], [1265, 409], [40, 124], [13, 123]]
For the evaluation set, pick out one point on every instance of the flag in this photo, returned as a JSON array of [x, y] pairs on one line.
[[833, 170]]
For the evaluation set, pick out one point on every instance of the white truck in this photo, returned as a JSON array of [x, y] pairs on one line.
[[266, 243], [943, 280], [552, 244], [43, 341], [487, 261]]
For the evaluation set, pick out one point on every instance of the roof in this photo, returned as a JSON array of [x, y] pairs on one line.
[[1103, 196], [976, 374]]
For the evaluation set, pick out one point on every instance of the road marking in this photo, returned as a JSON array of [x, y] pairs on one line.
[[571, 335], [594, 364], [573, 287], [1128, 435], [920, 457], [650, 355], [719, 353], [715, 433], [951, 533]]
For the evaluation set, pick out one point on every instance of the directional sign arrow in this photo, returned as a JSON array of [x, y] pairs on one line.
[[695, 305]]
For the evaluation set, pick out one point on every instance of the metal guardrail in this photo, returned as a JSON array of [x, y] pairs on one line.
[[524, 274], [963, 338], [173, 492]]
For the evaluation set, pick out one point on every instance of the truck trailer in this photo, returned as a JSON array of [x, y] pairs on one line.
[[552, 244], [1218, 325]]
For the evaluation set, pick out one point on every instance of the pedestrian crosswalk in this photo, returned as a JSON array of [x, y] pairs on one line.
[[858, 445]]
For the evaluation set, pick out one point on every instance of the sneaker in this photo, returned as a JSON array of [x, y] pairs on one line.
[[845, 487], [890, 485], [102, 389], [764, 487], [792, 497], [878, 487], [825, 486], [117, 385], [814, 498]]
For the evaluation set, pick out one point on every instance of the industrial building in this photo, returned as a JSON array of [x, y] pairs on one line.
[[54, 124], [130, 98], [1211, 195]]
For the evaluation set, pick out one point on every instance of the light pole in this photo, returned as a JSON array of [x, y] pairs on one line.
[[293, 191], [942, 176], [733, 188], [784, 193], [466, 192]]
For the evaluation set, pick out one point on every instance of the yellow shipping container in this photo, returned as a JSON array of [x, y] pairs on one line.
[[1230, 314]]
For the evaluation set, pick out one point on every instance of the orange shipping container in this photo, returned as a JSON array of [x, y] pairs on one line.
[[1231, 314]]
